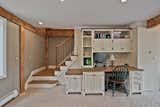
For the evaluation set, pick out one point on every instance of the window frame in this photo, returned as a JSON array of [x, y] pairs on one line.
[[3, 71]]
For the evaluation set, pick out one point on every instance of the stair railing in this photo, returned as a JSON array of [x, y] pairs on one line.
[[64, 50]]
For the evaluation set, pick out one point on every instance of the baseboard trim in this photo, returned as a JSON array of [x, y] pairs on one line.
[[32, 73], [11, 95]]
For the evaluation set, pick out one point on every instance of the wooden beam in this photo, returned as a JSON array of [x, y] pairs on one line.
[[13, 18], [40, 31], [153, 21], [22, 54], [60, 32], [46, 51]]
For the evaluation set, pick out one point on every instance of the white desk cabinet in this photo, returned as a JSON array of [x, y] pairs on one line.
[[136, 82], [93, 83], [73, 83]]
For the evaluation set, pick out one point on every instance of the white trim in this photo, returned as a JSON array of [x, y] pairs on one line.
[[8, 97], [3, 73], [51, 66], [44, 78], [42, 85], [32, 73]]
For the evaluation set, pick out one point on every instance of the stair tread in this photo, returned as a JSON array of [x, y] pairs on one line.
[[43, 82], [74, 55], [48, 72]]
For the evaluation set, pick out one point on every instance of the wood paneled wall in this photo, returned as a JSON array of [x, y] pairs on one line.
[[153, 21], [59, 32]]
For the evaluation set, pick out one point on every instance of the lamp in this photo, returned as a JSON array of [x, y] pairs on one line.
[[112, 59]]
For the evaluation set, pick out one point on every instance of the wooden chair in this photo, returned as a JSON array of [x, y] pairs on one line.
[[119, 76]]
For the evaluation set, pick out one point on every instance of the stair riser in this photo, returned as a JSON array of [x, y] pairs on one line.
[[73, 58], [44, 78], [42, 85], [64, 68], [68, 63], [56, 72], [61, 78]]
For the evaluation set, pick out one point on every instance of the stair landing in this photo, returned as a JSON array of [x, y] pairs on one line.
[[47, 72]]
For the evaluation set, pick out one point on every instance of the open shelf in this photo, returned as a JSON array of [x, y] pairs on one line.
[[87, 42], [121, 35], [103, 35], [87, 61], [87, 33], [87, 51]]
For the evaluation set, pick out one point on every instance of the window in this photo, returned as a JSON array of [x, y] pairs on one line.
[[3, 73]]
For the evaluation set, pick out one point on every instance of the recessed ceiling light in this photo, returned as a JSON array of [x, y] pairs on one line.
[[61, 0], [40, 23], [123, 1]]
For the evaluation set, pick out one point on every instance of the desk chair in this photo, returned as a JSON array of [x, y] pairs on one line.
[[119, 77]]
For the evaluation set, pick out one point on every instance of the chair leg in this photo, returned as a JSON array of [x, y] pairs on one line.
[[125, 86], [113, 88]]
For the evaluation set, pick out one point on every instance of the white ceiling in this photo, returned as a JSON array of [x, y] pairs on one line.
[[82, 12]]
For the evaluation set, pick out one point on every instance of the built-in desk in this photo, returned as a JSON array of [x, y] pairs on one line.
[[92, 80], [97, 69]]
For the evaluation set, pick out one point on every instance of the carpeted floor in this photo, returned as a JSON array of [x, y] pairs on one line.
[[56, 97]]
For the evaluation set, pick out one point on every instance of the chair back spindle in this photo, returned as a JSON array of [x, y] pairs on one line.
[[120, 73]]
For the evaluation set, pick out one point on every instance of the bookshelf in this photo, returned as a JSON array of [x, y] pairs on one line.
[[104, 40], [87, 36]]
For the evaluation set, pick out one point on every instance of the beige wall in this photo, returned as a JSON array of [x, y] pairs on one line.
[[53, 41], [34, 52], [12, 81]]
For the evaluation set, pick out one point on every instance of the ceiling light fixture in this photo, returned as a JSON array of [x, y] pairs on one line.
[[40, 23], [61, 0], [123, 1]]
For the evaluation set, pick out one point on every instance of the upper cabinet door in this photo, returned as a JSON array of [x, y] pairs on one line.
[[122, 45], [121, 41], [108, 45], [98, 45]]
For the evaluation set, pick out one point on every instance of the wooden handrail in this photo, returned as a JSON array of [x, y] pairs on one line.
[[62, 43]]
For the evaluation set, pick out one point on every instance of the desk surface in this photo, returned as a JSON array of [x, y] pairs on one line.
[[97, 69]]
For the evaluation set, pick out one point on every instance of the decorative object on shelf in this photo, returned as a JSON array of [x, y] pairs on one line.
[[87, 61], [112, 59], [102, 35], [100, 59]]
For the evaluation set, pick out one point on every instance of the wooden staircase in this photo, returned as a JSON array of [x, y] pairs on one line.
[[44, 78], [49, 78]]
